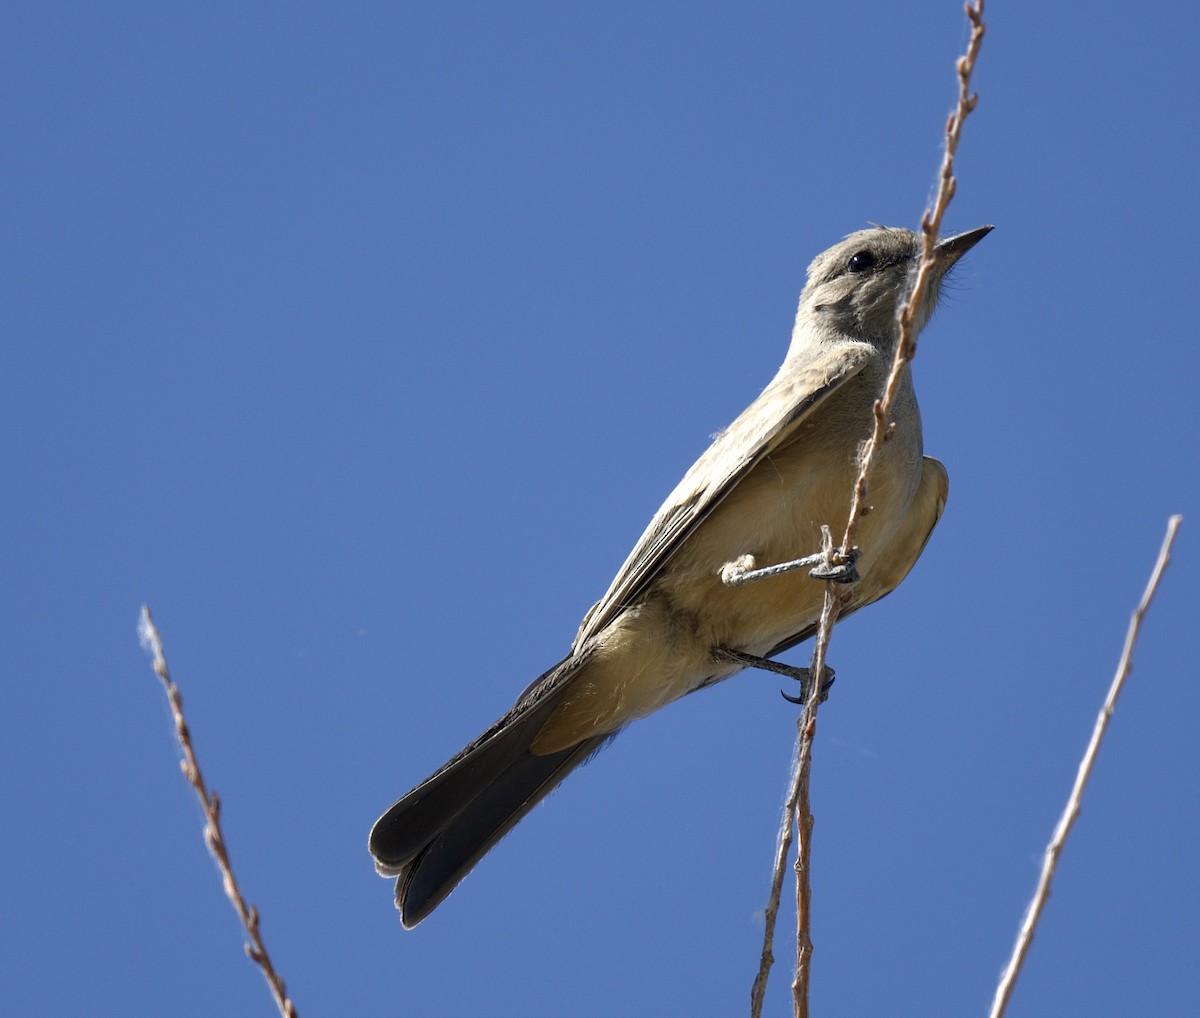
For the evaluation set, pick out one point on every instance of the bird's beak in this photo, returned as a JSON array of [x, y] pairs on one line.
[[953, 248]]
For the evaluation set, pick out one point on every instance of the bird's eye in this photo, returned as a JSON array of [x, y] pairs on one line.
[[861, 262]]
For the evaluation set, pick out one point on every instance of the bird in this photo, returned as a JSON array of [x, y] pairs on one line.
[[671, 621]]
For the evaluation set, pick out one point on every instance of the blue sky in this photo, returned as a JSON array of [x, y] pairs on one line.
[[361, 342]]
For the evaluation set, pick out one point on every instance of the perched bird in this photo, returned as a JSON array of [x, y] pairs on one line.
[[670, 619]]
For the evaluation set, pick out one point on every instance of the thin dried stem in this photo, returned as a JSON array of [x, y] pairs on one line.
[[1054, 850], [211, 804], [906, 347], [806, 727], [803, 809], [797, 806], [931, 224], [782, 849]]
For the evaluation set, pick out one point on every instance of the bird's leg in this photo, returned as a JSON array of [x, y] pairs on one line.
[[835, 565], [801, 675]]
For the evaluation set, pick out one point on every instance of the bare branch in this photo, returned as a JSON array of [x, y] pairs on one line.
[[211, 804], [804, 818], [806, 726], [931, 224], [906, 348], [1050, 861], [782, 849]]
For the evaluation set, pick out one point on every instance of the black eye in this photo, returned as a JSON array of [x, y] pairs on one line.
[[861, 262]]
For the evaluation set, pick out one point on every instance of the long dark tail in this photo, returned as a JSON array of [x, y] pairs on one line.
[[432, 837]]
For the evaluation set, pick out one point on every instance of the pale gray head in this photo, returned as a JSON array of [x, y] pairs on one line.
[[855, 286]]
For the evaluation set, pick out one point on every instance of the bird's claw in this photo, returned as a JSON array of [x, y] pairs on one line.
[[842, 571], [799, 673], [804, 679]]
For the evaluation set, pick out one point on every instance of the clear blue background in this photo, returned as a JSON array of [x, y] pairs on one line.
[[362, 341]]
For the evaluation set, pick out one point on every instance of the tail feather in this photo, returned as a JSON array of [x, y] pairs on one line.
[[433, 874], [431, 838]]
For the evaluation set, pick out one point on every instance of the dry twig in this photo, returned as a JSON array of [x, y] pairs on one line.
[[803, 811], [211, 804], [798, 799], [796, 805], [931, 224], [1050, 861]]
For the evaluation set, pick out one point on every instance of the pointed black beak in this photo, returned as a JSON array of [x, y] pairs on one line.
[[953, 248]]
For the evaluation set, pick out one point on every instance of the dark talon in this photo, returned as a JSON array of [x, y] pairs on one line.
[[802, 699], [800, 674], [844, 573]]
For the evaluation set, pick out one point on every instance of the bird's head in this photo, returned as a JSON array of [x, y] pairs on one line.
[[855, 287]]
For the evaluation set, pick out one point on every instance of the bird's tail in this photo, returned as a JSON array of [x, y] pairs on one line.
[[432, 837]]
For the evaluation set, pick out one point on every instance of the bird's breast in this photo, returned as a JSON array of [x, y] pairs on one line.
[[661, 648]]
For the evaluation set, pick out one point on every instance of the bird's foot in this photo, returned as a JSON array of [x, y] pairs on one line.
[[800, 674], [836, 565], [826, 686]]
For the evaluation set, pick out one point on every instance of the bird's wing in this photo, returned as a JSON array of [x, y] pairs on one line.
[[761, 428]]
